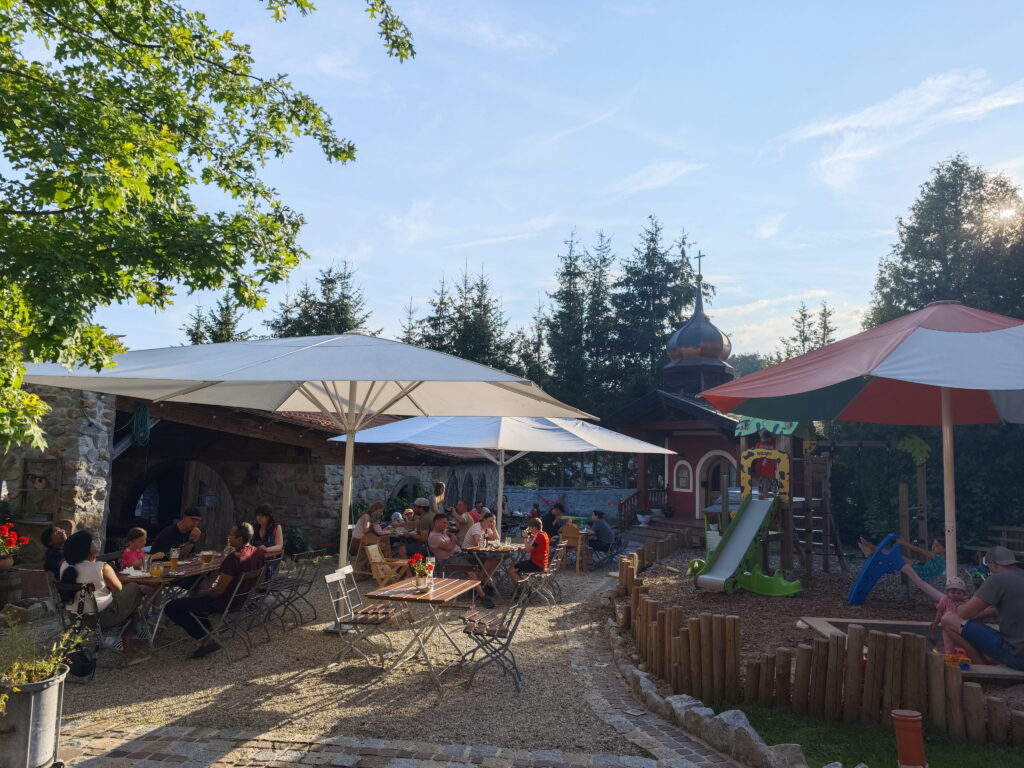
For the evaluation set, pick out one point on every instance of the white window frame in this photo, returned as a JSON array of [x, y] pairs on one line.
[[689, 467]]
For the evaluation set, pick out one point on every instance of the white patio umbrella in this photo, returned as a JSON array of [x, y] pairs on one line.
[[506, 433], [348, 378]]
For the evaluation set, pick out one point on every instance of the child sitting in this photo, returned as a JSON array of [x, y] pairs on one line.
[[133, 553], [955, 596]]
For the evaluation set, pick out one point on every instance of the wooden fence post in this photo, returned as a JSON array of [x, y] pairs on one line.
[[685, 668], [819, 671], [998, 720], [935, 667], [955, 702], [707, 671], [1017, 724], [752, 684], [855, 634], [732, 658], [893, 685], [718, 646], [914, 688], [974, 713], [874, 676], [834, 675], [802, 678], [696, 656], [783, 672]]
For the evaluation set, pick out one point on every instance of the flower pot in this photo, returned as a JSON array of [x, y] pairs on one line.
[[30, 730], [6, 563], [422, 584]]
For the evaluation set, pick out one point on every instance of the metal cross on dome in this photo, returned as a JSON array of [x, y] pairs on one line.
[[700, 272]]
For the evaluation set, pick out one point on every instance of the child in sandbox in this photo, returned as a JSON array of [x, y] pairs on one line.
[[955, 596]]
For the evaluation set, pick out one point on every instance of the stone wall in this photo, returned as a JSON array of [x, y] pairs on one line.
[[79, 431], [579, 502]]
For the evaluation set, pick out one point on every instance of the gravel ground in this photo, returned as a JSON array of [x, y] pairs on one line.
[[289, 685], [772, 622]]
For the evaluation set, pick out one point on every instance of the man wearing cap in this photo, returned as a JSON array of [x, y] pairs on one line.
[[1003, 590], [182, 535]]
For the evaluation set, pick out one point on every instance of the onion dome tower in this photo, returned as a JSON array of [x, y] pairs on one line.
[[697, 353]]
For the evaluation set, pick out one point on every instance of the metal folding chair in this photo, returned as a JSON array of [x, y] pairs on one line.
[[602, 559], [493, 632], [357, 623], [547, 587], [230, 622]]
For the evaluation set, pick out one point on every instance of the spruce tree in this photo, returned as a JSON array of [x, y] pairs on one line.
[[217, 325], [530, 351], [437, 329], [648, 300], [565, 327], [410, 326], [336, 306], [599, 326]]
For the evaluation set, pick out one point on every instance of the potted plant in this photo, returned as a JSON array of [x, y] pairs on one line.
[[31, 695], [422, 570], [10, 542]]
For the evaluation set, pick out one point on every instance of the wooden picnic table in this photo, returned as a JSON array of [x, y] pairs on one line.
[[444, 591], [151, 610]]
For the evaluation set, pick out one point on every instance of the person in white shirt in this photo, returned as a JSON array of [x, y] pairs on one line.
[[368, 521], [115, 602]]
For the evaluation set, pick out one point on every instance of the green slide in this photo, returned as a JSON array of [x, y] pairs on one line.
[[738, 561]]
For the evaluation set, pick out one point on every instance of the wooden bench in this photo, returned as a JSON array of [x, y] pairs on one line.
[[1009, 536]]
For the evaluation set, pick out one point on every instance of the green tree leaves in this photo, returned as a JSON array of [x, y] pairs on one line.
[[105, 144]]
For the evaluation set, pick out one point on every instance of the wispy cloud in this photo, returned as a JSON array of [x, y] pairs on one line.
[[653, 176], [339, 65], [758, 326], [853, 139], [485, 34], [417, 224], [495, 240], [759, 306], [767, 227]]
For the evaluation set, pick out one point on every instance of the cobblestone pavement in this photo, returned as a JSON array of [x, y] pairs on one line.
[[593, 677]]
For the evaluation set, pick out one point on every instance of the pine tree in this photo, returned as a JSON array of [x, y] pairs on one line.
[[437, 329], [217, 325], [336, 306], [598, 326], [565, 327], [530, 352], [810, 331], [825, 329], [649, 299], [410, 326]]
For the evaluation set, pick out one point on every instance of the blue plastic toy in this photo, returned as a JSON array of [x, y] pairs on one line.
[[887, 558]]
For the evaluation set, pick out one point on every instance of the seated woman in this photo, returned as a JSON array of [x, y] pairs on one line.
[[134, 551], [368, 521], [115, 602], [268, 534]]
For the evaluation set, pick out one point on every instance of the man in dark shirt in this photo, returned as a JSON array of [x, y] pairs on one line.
[[183, 534], [604, 536], [53, 539], [244, 559], [552, 521]]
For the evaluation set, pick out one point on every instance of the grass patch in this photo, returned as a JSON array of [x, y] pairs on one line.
[[823, 743]]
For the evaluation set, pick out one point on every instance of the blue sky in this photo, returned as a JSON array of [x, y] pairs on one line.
[[785, 139]]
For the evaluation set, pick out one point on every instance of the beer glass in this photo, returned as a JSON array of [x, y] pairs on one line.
[[172, 558]]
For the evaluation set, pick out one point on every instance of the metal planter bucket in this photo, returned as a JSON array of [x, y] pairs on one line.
[[30, 731]]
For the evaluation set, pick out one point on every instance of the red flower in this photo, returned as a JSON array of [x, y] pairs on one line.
[[23, 539]]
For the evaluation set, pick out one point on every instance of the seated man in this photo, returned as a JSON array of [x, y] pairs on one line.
[[53, 539], [244, 559], [552, 521], [604, 536], [536, 543], [183, 534], [447, 551], [1004, 590]]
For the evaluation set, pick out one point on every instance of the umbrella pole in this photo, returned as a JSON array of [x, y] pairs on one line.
[[501, 486], [948, 481], [346, 495]]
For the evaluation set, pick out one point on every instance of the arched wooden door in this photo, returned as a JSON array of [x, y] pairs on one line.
[[205, 489]]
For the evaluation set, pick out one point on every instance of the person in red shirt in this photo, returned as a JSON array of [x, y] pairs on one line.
[[536, 543]]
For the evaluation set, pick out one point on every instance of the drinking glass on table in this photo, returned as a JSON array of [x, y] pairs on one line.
[[508, 541], [172, 558], [156, 569], [206, 556]]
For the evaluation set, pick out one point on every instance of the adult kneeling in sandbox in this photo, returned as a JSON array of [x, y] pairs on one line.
[[1004, 590]]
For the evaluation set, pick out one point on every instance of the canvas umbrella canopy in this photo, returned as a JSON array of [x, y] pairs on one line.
[[349, 378], [944, 365], [505, 434]]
